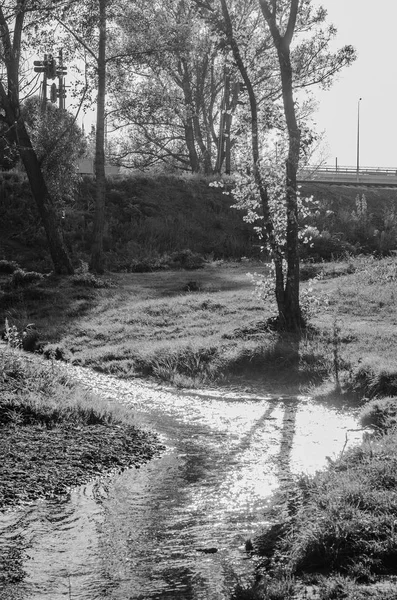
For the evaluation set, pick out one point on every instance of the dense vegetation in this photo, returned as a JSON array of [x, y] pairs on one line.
[[151, 220], [148, 220]]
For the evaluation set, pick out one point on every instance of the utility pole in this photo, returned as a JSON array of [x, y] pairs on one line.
[[41, 66], [358, 139], [52, 70], [61, 72]]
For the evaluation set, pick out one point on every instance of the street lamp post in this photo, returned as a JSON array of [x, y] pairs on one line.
[[358, 139]]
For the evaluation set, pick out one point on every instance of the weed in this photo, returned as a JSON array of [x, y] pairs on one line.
[[344, 522], [334, 587], [188, 362], [11, 335]]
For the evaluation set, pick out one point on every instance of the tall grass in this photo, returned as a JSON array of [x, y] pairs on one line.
[[36, 392]]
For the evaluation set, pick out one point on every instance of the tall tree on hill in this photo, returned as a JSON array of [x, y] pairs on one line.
[[269, 191], [12, 29], [59, 144], [97, 254], [86, 28], [182, 109]]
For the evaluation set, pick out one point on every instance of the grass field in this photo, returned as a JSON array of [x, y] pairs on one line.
[[195, 327], [152, 324]]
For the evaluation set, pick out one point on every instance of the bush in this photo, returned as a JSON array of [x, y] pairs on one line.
[[21, 278], [327, 246], [186, 259]]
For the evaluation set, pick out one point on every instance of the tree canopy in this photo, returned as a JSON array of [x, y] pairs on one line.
[[210, 86]]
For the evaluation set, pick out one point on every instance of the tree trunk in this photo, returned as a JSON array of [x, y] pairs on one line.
[[191, 148], [9, 100], [192, 126], [227, 122], [292, 315], [289, 311], [97, 263], [276, 254]]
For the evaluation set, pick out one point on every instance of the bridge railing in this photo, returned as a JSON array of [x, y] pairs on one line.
[[335, 170]]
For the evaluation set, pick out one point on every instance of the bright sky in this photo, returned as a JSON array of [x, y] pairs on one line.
[[371, 27]]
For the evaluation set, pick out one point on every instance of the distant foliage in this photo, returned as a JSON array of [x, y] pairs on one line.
[[59, 144], [365, 223]]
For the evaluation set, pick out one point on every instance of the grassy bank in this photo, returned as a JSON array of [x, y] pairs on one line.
[[152, 219], [54, 436], [148, 220], [333, 535]]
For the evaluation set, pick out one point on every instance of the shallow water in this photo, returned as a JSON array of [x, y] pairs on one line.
[[139, 534]]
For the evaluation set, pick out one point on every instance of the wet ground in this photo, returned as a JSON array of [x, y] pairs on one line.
[[176, 527]]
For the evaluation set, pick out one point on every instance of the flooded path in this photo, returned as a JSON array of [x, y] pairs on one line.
[[141, 534]]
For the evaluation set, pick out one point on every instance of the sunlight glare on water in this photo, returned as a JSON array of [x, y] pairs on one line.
[[141, 534]]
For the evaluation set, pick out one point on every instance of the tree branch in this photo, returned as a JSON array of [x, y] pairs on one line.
[[78, 39], [287, 38]]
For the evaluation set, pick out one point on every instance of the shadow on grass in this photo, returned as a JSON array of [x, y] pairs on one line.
[[53, 304], [284, 358], [227, 277]]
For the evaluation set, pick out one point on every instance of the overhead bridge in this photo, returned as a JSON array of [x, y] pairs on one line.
[[335, 175]]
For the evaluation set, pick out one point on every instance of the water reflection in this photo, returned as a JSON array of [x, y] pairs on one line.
[[140, 537]]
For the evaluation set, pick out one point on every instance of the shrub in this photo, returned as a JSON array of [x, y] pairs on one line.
[[380, 413], [327, 246], [186, 259], [21, 278], [83, 277]]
